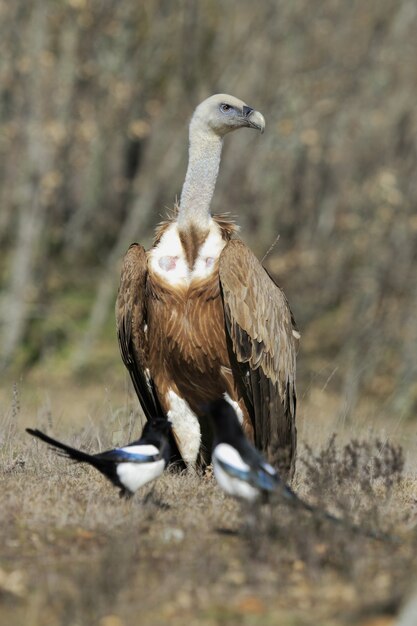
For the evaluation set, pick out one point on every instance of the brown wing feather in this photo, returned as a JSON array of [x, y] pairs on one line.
[[131, 322], [263, 348]]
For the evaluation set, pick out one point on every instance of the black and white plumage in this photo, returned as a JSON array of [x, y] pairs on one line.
[[239, 468], [129, 467]]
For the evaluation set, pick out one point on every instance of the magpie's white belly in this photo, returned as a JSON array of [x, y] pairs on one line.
[[232, 485], [136, 475]]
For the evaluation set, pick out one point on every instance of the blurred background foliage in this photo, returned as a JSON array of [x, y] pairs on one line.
[[95, 98]]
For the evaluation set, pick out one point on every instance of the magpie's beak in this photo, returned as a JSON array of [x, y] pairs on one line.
[[253, 119]]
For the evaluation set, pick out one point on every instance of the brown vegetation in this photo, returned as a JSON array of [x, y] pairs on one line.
[[73, 552]]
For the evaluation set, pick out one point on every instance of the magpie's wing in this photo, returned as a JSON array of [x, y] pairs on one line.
[[264, 472], [122, 455], [232, 470], [265, 479], [258, 477]]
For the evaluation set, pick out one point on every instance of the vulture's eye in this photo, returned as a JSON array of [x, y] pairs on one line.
[[225, 108]]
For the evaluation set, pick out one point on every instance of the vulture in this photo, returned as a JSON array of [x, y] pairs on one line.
[[199, 318]]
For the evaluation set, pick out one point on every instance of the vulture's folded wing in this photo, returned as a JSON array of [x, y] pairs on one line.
[[263, 342], [131, 327]]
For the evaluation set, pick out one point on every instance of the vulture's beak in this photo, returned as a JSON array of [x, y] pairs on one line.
[[253, 118]]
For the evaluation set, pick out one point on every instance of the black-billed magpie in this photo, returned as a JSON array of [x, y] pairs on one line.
[[131, 466], [239, 468]]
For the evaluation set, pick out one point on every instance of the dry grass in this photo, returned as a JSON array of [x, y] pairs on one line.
[[73, 553]]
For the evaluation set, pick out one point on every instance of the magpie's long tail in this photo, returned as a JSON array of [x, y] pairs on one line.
[[294, 500], [72, 453], [106, 466]]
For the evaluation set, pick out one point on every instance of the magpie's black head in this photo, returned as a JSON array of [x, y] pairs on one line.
[[226, 424], [157, 426]]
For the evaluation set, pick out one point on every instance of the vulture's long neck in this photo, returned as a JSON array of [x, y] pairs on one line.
[[200, 180]]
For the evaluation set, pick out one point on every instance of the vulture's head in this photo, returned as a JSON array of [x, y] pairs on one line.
[[222, 113]]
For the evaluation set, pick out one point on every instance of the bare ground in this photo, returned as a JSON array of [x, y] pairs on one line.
[[73, 553]]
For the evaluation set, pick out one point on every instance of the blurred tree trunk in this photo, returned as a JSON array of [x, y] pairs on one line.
[[136, 221], [405, 399], [19, 295]]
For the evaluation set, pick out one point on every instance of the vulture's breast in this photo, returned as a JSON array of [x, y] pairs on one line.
[[185, 310], [180, 261]]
